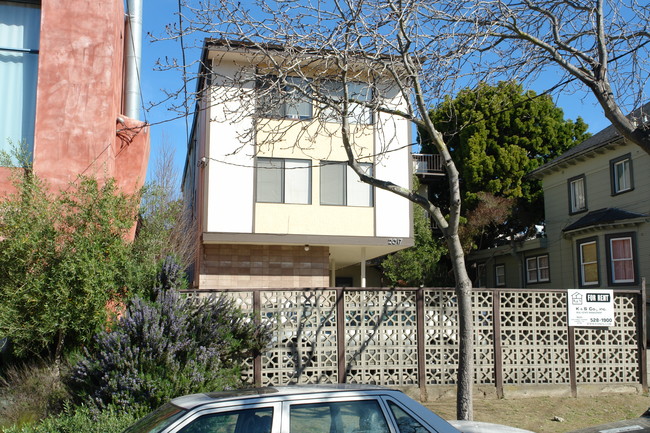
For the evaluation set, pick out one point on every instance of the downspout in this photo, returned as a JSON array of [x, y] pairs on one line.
[[133, 52]]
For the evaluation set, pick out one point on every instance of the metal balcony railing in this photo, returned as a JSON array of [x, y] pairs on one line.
[[428, 165]]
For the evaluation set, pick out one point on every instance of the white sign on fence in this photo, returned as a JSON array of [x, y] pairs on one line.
[[590, 307]]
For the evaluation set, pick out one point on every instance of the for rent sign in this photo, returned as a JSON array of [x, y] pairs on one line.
[[590, 307]]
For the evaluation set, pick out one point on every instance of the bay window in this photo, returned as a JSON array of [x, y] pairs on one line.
[[588, 262], [621, 259]]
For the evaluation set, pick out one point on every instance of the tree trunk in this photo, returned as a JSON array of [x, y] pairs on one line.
[[464, 390]]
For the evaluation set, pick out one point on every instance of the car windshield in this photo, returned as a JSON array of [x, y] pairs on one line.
[[157, 420]]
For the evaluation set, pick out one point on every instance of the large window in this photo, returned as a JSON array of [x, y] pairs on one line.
[[588, 266], [357, 112], [621, 258], [19, 41], [537, 269], [288, 100], [341, 186], [283, 180], [621, 174], [577, 194]]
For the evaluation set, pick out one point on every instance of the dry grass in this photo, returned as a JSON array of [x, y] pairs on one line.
[[30, 392], [537, 413]]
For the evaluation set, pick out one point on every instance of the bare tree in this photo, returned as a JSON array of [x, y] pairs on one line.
[[352, 59], [601, 45]]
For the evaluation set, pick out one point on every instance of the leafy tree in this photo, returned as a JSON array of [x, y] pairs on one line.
[[416, 266], [164, 222], [596, 46], [496, 135], [64, 258]]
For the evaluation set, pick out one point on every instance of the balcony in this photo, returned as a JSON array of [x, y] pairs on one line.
[[427, 166]]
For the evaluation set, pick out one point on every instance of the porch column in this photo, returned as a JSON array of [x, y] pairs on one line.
[[363, 267]]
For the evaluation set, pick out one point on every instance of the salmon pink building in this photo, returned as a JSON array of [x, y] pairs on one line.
[[62, 81]]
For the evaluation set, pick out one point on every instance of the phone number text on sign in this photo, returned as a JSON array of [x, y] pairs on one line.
[[590, 307]]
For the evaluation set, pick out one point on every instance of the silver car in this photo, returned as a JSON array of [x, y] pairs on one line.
[[303, 409]]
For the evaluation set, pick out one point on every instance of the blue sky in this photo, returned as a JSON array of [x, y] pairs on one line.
[[163, 12]]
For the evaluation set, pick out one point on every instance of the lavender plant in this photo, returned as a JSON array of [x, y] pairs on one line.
[[169, 347]]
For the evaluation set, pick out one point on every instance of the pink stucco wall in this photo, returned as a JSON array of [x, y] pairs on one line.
[[79, 98]]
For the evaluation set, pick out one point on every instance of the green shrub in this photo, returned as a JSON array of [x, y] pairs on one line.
[[169, 347], [80, 420]]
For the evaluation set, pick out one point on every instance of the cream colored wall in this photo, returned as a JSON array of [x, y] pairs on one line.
[[317, 142], [562, 252]]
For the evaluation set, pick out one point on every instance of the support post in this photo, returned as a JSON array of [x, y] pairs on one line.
[[498, 347], [340, 334], [643, 337], [572, 362], [421, 344]]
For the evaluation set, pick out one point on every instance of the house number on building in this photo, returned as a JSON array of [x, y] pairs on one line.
[[395, 241]]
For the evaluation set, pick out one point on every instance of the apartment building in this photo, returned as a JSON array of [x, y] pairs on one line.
[[275, 204]]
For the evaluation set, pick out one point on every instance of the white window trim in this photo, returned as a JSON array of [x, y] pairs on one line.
[[537, 269], [500, 278], [577, 200]]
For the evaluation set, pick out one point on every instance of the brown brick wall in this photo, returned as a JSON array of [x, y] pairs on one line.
[[263, 266]]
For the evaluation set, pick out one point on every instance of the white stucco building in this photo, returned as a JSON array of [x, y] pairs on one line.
[[275, 204]]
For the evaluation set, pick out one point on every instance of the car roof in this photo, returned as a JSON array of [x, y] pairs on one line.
[[194, 400]]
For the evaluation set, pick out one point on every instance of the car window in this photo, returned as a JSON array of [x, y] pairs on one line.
[[363, 416], [257, 420], [405, 422], [157, 420]]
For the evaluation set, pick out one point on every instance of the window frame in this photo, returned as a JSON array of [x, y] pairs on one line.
[[345, 184], [571, 191], [501, 277], [283, 183], [610, 260], [21, 123], [537, 269], [613, 164], [581, 264]]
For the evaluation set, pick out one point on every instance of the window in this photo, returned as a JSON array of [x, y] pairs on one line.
[[283, 180], [577, 195], [620, 256], [537, 269], [405, 422], [588, 256], [621, 174], [500, 275], [19, 42], [340, 185], [258, 420], [360, 416], [283, 100], [357, 113]]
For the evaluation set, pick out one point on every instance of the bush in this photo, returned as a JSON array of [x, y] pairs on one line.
[[162, 349], [80, 420]]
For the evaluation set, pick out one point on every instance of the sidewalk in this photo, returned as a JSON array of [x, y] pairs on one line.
[[538, 413]]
